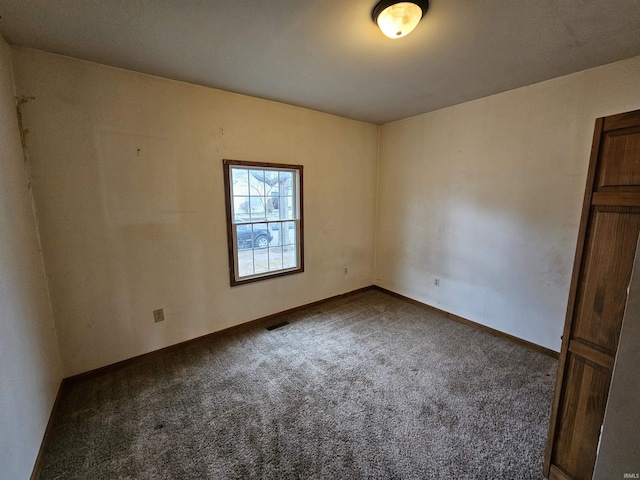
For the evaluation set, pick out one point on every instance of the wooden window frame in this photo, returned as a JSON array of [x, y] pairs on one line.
[[232, 244]]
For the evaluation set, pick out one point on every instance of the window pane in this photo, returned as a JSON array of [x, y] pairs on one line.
[[261, 260], [271, 188], [239, 181], [289, 257], [275, 258], [261, 236], [257, 210], [271, 178], [288, 233], [274, 228], [241, 208], [243, 236], [272, 212], [245, 262], [256, 182], [285, 181], [286, 210]]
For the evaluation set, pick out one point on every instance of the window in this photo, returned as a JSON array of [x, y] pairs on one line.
[[264, 220]]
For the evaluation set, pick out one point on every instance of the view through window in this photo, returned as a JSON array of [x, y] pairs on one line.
[[264, 216]]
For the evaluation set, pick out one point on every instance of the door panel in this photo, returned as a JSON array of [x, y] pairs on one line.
[[621, 148], [609, 252], [605, 252], [580, 416]]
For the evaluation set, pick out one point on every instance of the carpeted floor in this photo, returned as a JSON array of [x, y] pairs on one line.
[[366, 386]]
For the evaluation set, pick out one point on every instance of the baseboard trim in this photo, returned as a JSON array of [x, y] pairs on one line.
[[35, 475], [66, 382], [477, 326], [556, 474], [204, 338], [263, 320], [37, 466]]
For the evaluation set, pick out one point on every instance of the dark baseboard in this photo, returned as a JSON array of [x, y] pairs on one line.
[[35, 474], [263, 321], [204, 338], [37, 466], [477, 326]]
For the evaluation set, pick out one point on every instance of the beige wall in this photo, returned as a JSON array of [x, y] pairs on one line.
[[486, 196], [31, 371], [127, 172], [127, 176]]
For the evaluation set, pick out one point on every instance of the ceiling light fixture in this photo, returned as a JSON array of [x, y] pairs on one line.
[[397, 19]]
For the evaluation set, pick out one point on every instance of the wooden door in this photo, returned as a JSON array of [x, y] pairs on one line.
[[609, 231]]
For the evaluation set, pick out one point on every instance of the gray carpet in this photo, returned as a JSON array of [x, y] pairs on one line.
[[366, 386]]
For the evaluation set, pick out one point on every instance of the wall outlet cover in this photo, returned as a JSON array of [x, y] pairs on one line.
[[158, 315]]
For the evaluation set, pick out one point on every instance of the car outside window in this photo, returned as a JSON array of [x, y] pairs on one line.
[[264, 220]]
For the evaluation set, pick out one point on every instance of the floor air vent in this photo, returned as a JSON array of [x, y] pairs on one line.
[[277, 325]]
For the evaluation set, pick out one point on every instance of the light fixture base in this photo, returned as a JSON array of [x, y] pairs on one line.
[[382, 4], [398, 18]]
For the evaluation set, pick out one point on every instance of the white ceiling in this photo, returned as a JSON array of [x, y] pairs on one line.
[[328, 55]]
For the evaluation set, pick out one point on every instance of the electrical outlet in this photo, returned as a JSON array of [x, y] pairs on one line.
[[346, 270], [436, 282], [158, 315]]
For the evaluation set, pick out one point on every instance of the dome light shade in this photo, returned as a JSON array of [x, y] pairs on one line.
[[397, 19]]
